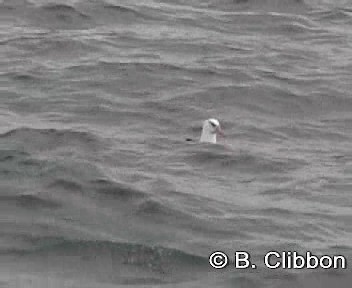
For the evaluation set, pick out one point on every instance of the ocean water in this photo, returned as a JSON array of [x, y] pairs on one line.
[[98, 187]]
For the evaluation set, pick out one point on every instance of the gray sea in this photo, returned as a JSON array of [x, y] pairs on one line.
[[98, 187]]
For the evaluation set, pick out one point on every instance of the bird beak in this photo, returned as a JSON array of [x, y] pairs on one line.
[[220, 132]]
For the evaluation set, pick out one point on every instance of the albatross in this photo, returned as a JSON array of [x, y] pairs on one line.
[[211, 128]]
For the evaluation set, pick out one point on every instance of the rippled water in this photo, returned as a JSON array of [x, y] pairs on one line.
[[98, 187]]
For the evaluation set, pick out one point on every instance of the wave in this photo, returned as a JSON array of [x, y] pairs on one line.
[[65, 184], [311, 132], [16, 163], [21, 76], [287, 6], [51, 139], [339, 14], [58, 16], [63, 11], [243, 161], [272, 3], [163, 213], [124, 11], [116, 190], [114, 262], [30, 201], [155, 67]]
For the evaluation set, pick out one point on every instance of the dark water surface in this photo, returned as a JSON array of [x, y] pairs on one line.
[[98, 187]]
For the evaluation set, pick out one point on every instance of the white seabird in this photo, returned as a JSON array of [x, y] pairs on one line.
[[211, 128]]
